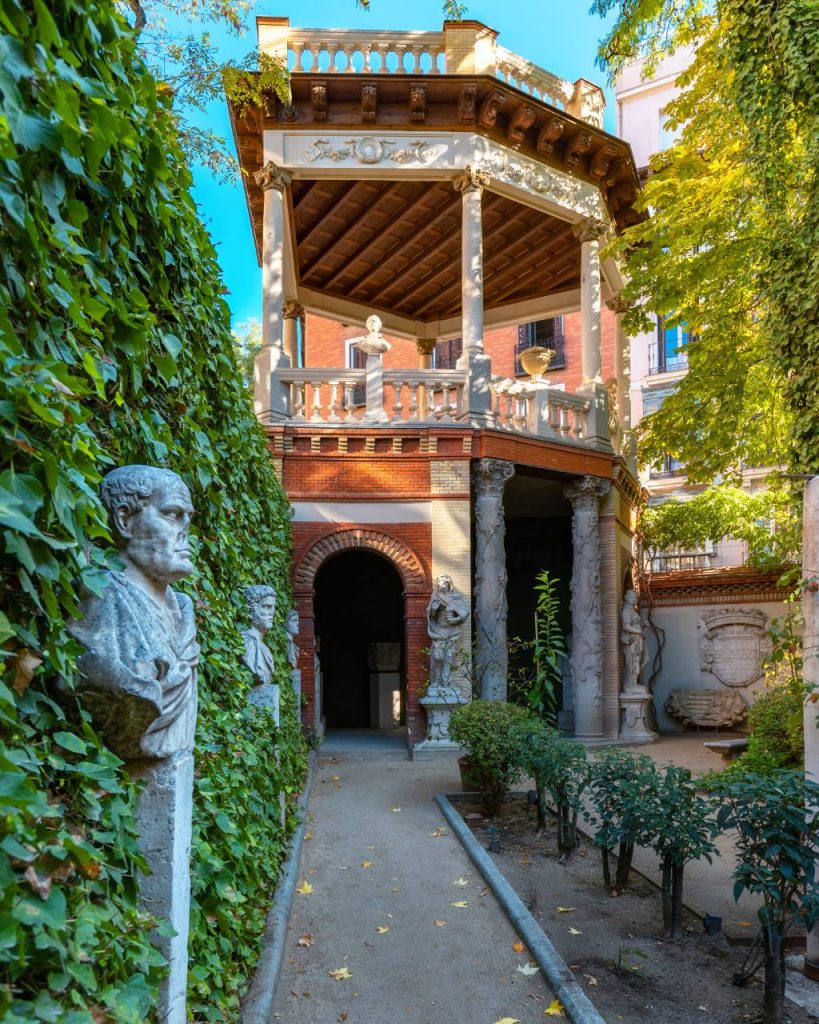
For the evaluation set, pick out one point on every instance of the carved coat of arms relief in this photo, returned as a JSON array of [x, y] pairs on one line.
[[734, 644]]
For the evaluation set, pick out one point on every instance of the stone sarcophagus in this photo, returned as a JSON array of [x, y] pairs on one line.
[[707, 708]]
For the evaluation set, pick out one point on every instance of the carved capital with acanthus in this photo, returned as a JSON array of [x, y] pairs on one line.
[[425, 346], [292, 310], [590, 229], [272, 176], [470, 179], [617, 304], [586, 492], [491, 475]]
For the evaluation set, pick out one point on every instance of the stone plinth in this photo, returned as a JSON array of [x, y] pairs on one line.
[[295, 679], [634, 726], [439, 705], [266, 696]]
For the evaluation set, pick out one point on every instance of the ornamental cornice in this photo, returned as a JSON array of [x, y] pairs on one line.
[[273, 176], [590, 229], [470, 179], [586, 492]]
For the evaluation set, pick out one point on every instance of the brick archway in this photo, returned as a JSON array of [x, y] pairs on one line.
[[405, 560]]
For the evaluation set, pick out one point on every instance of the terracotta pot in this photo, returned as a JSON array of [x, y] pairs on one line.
[[470, 778], [536, 360]]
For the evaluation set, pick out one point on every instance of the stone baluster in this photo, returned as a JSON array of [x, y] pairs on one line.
[[491, 658], [297, 52], [413, 402], [430, 414], [417, 50], [383, 50], [434, 52], [333, 408], [332, 50], [349, 51], [444, 413], [315, 49], [587, 613], [397, 404], [298, 389], [315, 412], [270, 396], [400, 53], [349, 400], [471, 182], [810, 661], [366, 50]]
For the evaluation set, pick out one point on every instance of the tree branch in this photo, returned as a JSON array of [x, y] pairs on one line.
[[140, 20]]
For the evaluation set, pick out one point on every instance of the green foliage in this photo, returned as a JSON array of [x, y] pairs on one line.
[[115, 347], [490, 731], [559, 767], [549, 650]]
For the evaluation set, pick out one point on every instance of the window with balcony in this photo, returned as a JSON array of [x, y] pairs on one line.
[[667, 352], [446, 353], [669, 467], [545, 334]]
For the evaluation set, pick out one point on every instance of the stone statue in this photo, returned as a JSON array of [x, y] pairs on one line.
[[137, 675], [446, 612], [634, 644], [373, 343], [291, 624], [261, 606]]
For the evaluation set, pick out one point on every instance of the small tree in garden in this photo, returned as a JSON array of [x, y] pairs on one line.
[[775, 818], [683, 829], [549, 649], [621, 787], [491, 733], [560, 768]]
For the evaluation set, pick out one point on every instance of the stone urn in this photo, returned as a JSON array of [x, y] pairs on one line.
[[536, 360]]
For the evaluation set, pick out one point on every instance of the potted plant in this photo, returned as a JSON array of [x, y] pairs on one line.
[[490, 732]]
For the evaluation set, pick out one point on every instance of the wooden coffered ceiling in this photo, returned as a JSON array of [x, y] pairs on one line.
[[397, 245]]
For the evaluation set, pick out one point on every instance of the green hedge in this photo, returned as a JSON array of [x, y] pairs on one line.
[[115, 348]]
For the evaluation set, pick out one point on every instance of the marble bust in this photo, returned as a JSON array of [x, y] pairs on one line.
[[634, 644], [291, 625], [261, 606], [446, 612], [137, 674]]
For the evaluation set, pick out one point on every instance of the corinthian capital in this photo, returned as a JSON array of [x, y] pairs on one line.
[[589, 229], [490, 476], [272, 176], [470, 179], [292, 310], [617, 304], [586, 492]]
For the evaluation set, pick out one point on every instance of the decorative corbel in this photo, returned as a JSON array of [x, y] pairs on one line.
[[520, 122], [549, 134], [466, 104], [418, 101], [579, 146], [489, 109], [318, 97], [369, 97]]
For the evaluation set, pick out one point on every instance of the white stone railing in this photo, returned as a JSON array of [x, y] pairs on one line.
[[530, 408], [338, 51], [407, 396], [530, 78]]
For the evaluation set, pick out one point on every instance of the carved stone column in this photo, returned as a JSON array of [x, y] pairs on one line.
[[587, 614], [810, 654], [622, 372], [589, 232], [470, 182], [491, 660], [292, 312], [270, 396]]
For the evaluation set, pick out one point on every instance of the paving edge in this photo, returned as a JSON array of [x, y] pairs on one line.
[[257, 1006], [578, 1007]]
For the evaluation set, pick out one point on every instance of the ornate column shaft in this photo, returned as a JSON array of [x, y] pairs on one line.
[[270, 397], [589, 232], [587, 614], [292, 312], [491, 659], [622, 371], [810, 654], [470, 182]]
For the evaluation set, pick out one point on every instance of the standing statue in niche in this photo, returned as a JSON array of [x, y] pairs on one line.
[[634, 644], [137, 675], [446, 613], [261, 607]]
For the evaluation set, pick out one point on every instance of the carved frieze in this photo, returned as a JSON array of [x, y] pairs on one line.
[[734, 644], [519, 123], [418, 101], [367, 150]]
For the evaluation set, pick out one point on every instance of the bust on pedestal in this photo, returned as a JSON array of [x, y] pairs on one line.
[[137, 678], [634, 697], [260, 601], [291, 624]]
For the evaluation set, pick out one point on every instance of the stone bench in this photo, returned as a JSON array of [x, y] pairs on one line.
[[728, 749]]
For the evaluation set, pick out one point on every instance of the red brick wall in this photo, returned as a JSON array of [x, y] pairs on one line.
[[417, 539], [324, 346]]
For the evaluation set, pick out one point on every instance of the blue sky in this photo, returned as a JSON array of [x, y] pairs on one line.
[[559, 35]]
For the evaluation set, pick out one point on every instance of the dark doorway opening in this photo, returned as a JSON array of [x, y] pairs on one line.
[[359, 602]]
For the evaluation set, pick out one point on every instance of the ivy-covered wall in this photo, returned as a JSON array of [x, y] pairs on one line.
[[115, 348]]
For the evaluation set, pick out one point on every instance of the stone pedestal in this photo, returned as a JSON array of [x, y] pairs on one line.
[[374, 411], [491, 657], [163, 820], [266, 696], [634, 711], [295, 678], [810, 653], [587, 614], [439, 705]]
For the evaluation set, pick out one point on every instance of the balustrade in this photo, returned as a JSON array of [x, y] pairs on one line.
[[531, 79], [337, 51], [538, 409]]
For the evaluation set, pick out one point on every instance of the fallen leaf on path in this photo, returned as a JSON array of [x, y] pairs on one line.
[[308, 836], [460, 882], [565, 910], [366, 863], [395, 889], [382, 930], [336, 778], [508, 1020], [518, 947], [395, 810], [304, 888], [575, 931], [343, 1016], [440, 924], [460, 903], [438, 832], [528, 968], [306, 940], [483, 892], [341, 974], [590, 978], [554, 1009]]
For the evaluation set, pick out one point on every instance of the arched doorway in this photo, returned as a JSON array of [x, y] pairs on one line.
[[359, 603]]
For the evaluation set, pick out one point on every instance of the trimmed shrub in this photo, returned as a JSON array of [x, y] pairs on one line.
[[491, 731]]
